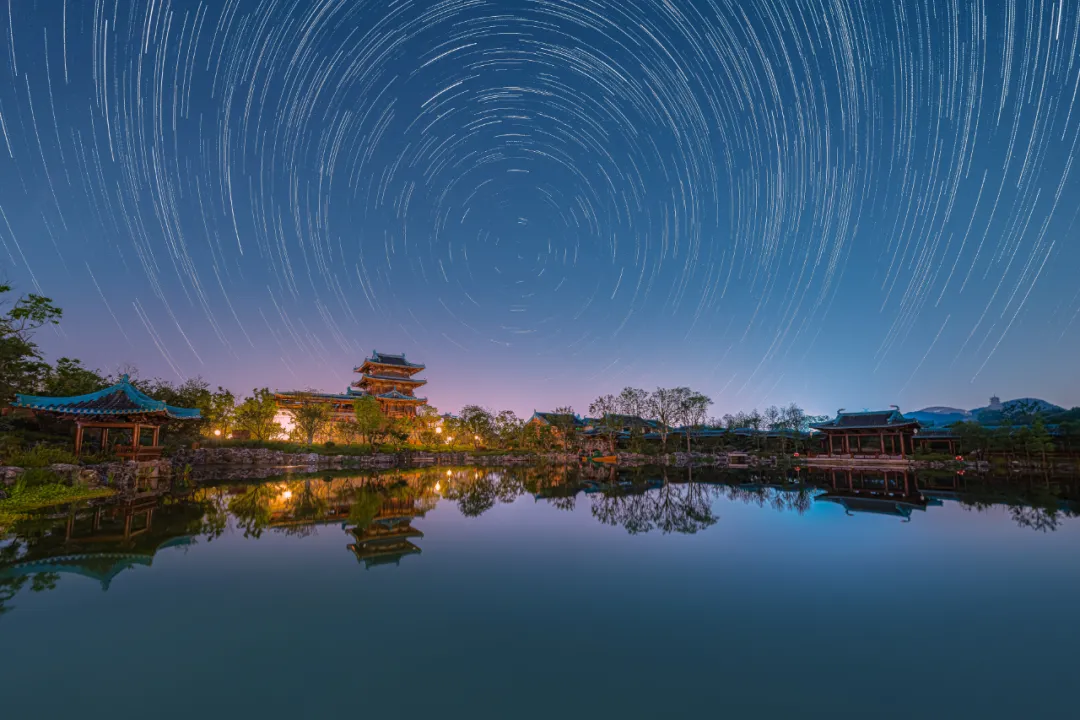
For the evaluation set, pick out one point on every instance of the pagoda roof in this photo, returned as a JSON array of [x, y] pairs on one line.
[[391, 378], [395, 395], [378, 358], [120, 399], [868, 420]]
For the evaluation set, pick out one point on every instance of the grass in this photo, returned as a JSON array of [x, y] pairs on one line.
[[36, 497]]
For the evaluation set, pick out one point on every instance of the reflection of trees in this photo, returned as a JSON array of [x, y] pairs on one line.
[[305, 507], [475, 494], [251, 508], [672, 508]]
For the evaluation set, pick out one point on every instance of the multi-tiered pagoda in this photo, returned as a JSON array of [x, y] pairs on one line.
[[389, 379]]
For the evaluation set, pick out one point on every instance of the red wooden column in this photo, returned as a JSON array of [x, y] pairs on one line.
[[881, 437], [78, 438]]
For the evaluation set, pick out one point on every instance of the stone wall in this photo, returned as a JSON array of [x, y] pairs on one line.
[[111, 474]]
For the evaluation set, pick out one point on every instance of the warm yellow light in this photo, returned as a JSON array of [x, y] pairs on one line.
[[217, 433], [438, 431], [476, 438], [286, 495], [438, 486], [447, 473]]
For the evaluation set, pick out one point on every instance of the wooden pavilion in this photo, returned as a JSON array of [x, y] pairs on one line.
[[878, 434], [121, 407]]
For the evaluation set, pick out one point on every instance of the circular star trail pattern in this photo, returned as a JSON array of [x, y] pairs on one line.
[[612, 180]]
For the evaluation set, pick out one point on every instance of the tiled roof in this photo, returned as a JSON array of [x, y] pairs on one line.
[[391, 378], [551, 418], [378, 358], [867, 420], [395, 395], [123, 398]]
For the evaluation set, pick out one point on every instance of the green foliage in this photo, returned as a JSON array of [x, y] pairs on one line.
[[256, 414], [192, 393], [371, 424], [40, 456], [219, 413], [69, 377], [22, 369], [477, 425], [365, 507], [311, 418]]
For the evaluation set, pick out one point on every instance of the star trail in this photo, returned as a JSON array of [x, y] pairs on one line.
[[835, 202]]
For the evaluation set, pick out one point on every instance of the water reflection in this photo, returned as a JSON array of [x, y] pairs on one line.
[[378, 513]]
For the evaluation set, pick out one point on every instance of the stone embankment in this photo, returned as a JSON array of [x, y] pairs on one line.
[[274, 458], [111, 474]]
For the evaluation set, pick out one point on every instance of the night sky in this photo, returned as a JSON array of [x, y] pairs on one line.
[[838, 203]]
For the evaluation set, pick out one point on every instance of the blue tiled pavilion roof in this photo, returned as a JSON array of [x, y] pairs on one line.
[[121, 399]]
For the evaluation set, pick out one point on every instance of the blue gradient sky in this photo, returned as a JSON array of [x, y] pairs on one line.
[[844, 206]]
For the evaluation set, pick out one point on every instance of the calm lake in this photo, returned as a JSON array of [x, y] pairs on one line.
[[522, 593]]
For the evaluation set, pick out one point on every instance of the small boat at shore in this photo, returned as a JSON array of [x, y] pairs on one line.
[[605, 459]]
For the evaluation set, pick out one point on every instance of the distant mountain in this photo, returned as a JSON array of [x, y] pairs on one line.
[[1014, 408], [992, 414], [938, 415]]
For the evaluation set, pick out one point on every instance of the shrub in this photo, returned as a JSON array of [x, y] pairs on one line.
[[41, 456], [329, 445], [36, 477]]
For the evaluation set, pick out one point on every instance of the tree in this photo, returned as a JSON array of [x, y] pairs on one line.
[[507, 428], [1039, 440], [21, 366], [256, 414], [565, 421], [347, 431], [477, 422], [426, 426], [220, 411], [605, 409], [370, 421], [69, 377], [663, 405], [311, 418], [692, 410], [973, 437], [192, 393]]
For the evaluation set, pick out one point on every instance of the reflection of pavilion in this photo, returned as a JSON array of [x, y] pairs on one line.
[[101, 542], [388, 537], [877, 492]]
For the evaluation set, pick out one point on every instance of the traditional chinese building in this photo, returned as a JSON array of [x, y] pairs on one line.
[[341, 406], [881, 434], [130, 415], [389, 379]]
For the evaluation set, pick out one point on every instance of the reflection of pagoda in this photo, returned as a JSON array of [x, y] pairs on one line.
[[101, 542], [876, 492], [388, 537]]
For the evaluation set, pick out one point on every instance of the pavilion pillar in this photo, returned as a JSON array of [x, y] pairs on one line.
[[157, 434], [881, 437], [135, 442], [78, 438], [104, 439]]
